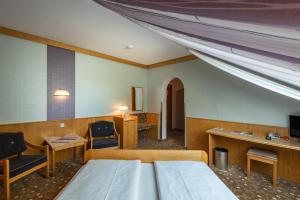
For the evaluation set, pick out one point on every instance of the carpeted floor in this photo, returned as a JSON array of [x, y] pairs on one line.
[[258, 187], [36, 186], [175, 140]]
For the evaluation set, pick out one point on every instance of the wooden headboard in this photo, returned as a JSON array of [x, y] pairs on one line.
[[146, 156]]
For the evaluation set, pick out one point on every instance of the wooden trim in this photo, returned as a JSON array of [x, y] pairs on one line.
[[42, 40], [172, 61], [147, 156]]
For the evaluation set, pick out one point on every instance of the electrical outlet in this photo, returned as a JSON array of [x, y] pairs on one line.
[[62, 125]]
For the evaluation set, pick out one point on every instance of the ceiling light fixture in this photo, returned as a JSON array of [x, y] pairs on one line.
[[129, 46]]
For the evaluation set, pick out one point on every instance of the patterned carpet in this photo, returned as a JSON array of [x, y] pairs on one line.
[[258, 187], [36, 186], [175, 140]]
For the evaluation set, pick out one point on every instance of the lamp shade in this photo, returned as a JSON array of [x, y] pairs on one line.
[[123, 108], [61, 92]]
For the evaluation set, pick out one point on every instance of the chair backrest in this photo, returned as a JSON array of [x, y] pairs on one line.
[[102, 129], [11, 144]]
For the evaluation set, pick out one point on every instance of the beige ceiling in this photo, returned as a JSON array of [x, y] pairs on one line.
[[86, 24]]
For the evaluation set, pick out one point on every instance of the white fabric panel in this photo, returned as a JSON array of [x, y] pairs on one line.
[[247, 27], [269, 46], [289, 74], [104, 179], [260, 81], [189, 180]]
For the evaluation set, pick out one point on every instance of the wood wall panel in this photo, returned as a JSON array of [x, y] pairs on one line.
[[35, 131], [153, 118], [289, 160], [197, 138]]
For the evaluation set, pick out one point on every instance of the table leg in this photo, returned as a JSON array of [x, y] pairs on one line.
[[84, 150], [211, 146], [53, 162], [75, 152]]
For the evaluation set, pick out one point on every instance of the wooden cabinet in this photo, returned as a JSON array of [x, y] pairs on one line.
[[130, 134], [127, 128]]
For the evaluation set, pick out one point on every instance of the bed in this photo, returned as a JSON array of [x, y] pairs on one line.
[[146, 175]]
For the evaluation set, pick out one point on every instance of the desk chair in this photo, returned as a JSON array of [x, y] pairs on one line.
[[103, 134], [265, 156], [13, 164]]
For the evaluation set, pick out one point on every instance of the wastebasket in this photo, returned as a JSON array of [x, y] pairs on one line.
[[221, 158]]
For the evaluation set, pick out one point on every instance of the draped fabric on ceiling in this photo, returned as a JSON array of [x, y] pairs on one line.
[[256, 40]]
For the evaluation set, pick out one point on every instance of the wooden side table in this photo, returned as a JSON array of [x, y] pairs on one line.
[[65, 142]]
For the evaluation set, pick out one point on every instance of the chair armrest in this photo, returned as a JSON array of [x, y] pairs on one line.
[[37, 147]]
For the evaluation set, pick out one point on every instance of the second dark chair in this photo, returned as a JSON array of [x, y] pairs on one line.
[[103, 134]]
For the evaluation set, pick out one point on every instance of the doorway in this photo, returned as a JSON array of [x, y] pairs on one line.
[[175, 112]]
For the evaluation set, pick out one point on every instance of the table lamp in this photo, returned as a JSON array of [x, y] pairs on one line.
[[123, 110]]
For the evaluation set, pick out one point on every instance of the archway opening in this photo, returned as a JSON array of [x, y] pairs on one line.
[[175, 112]]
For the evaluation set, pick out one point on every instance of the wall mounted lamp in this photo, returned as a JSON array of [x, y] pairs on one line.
[[61, 92]]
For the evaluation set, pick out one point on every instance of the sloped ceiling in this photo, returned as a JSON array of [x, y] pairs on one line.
[[86, 24]]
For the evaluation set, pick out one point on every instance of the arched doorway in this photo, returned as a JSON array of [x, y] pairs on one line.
[[173, 111]]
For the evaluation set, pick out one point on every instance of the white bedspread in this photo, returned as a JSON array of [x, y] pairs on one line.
[[104, 180], [188, 180]]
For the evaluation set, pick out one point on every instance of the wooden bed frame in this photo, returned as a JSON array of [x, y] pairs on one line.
[[146, 156]]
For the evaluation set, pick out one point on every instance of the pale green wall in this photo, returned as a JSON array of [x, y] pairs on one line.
[[214, 94], [103, 85], [23, 89]]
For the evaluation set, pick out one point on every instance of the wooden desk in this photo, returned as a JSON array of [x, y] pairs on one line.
[[127, 128], [55, 146], [237, 144], [130, 134]]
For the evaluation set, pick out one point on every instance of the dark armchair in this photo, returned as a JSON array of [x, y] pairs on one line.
[[13, 164], [103, 134]]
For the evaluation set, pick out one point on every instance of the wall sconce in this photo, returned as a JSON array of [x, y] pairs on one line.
[[123, 110], [61, 92]]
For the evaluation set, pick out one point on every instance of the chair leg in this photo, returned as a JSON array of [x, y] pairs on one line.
[[47, 170], [248, 166], [48, 162], [274, 174], [6, 184]]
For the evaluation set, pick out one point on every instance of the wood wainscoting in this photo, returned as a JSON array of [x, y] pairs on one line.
[[289, 160], [34, 132], [153, 118]]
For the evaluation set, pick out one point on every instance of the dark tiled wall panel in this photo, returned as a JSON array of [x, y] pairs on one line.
[[60, 75]]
